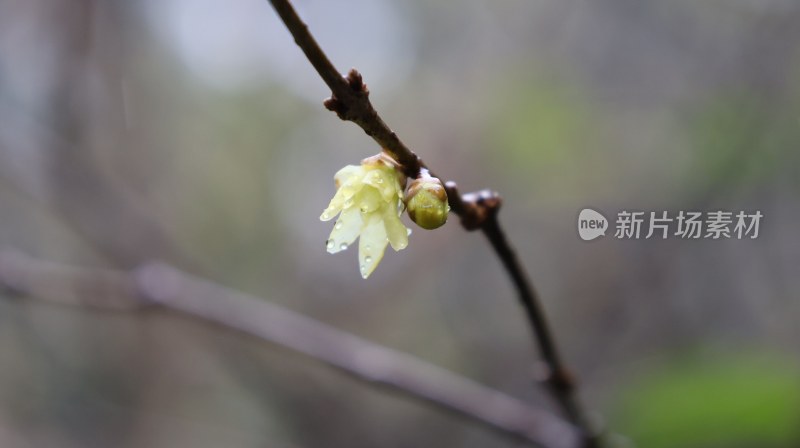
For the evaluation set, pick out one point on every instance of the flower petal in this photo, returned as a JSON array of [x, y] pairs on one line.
[[334, 207], [375, 177], [387, 181], [343, 175], [342, 200], [372, 245], [369, 200], [395, 230], [345, 231]]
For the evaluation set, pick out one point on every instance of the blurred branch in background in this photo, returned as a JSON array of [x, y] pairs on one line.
[[157, 285], [350, 101], [88, 195]]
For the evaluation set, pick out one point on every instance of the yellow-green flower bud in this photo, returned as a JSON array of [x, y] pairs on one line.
[[426, 202]]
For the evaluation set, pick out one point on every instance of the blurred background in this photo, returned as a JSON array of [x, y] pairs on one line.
[[192, 132]]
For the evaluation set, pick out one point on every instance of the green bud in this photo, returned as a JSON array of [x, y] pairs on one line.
[[426, 201]]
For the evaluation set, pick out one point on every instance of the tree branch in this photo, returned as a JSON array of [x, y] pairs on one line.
[[350, 96], [159, 285], [350, 101]]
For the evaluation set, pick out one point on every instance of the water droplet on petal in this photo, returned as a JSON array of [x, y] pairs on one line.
[[348, 203], [364, 209], [408, 231], [343, 246], [363, 269], [338, 225], [325, 215], [368, 259], [330, 244], [367, 248]]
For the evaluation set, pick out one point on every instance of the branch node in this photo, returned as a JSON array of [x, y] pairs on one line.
[[353, 104], [331, 103], [356, 82], [475, 209], [557, 380]]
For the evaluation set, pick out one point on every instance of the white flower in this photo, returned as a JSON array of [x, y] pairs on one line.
[[369, 198]]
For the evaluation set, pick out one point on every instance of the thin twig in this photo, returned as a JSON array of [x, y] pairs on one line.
[[479, 211], [553, 373], [350, 96], [350, 100], [159, 285]]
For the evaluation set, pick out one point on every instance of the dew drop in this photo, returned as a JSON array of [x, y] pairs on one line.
[[367, 248], [330, 244], [348, 203], [325, 215], [408, 231], [343, 246], [338, 225], [368, 259], [364, 209], [363, 269]]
